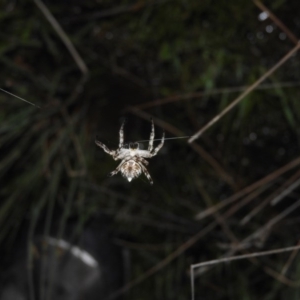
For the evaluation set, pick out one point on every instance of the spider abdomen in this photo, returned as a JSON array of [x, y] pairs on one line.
[[131, 169]]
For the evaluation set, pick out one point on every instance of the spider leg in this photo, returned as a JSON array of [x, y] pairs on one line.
[[101, 145], [142, 160], [121, 135], [146, 173], [150, 147], [159, 146], [118, 168]]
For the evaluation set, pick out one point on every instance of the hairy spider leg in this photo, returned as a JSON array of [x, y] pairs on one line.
[[146, 173], [159, 146], [121, 135], [142, 160], [101, 145], [150, 147], [118, 168]]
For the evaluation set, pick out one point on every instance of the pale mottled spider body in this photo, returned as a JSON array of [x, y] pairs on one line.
[[133, 159]]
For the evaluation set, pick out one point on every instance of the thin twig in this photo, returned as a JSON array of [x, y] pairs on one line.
[[259, 234], [281, 278], [19, 98], [264, 203], [237, 257], [111, 12], [229, 90], [245, 93], [291, 258], [224, 225], [285, 192], [189, 243], [65, 39], [246, 200], [78, 148], [283, 214], [262, 231], [220, 220], [249, 189]]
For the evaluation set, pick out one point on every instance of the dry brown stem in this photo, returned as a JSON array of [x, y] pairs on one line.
[[65, 39], [245, 93]]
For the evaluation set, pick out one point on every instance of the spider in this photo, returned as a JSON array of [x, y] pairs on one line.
[[133, 159]]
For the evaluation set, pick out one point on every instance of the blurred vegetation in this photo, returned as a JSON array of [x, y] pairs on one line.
[[51, 170]]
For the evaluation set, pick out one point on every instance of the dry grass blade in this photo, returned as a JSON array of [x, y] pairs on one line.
[[77, 146], [220, 220], [290, 260], [264, 203], [237, 257], [262, 232], [19, 98], [231, 211], [111, 12], [283, 214], [282, 279], [65, 39], [220, 91], [284, 193], [259, 234], [189, 243], [248, 189], [245, 93]]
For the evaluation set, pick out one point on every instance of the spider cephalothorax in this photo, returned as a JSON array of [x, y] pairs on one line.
[[133, 159]]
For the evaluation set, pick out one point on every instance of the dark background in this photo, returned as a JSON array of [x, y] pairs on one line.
[[178, 61]]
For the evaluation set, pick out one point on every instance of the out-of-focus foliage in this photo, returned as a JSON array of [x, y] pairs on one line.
[[51, 170]]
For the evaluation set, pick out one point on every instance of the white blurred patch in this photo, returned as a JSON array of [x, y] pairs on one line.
[[263, 16], [82, 255], [269, 28], [282, 36]]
